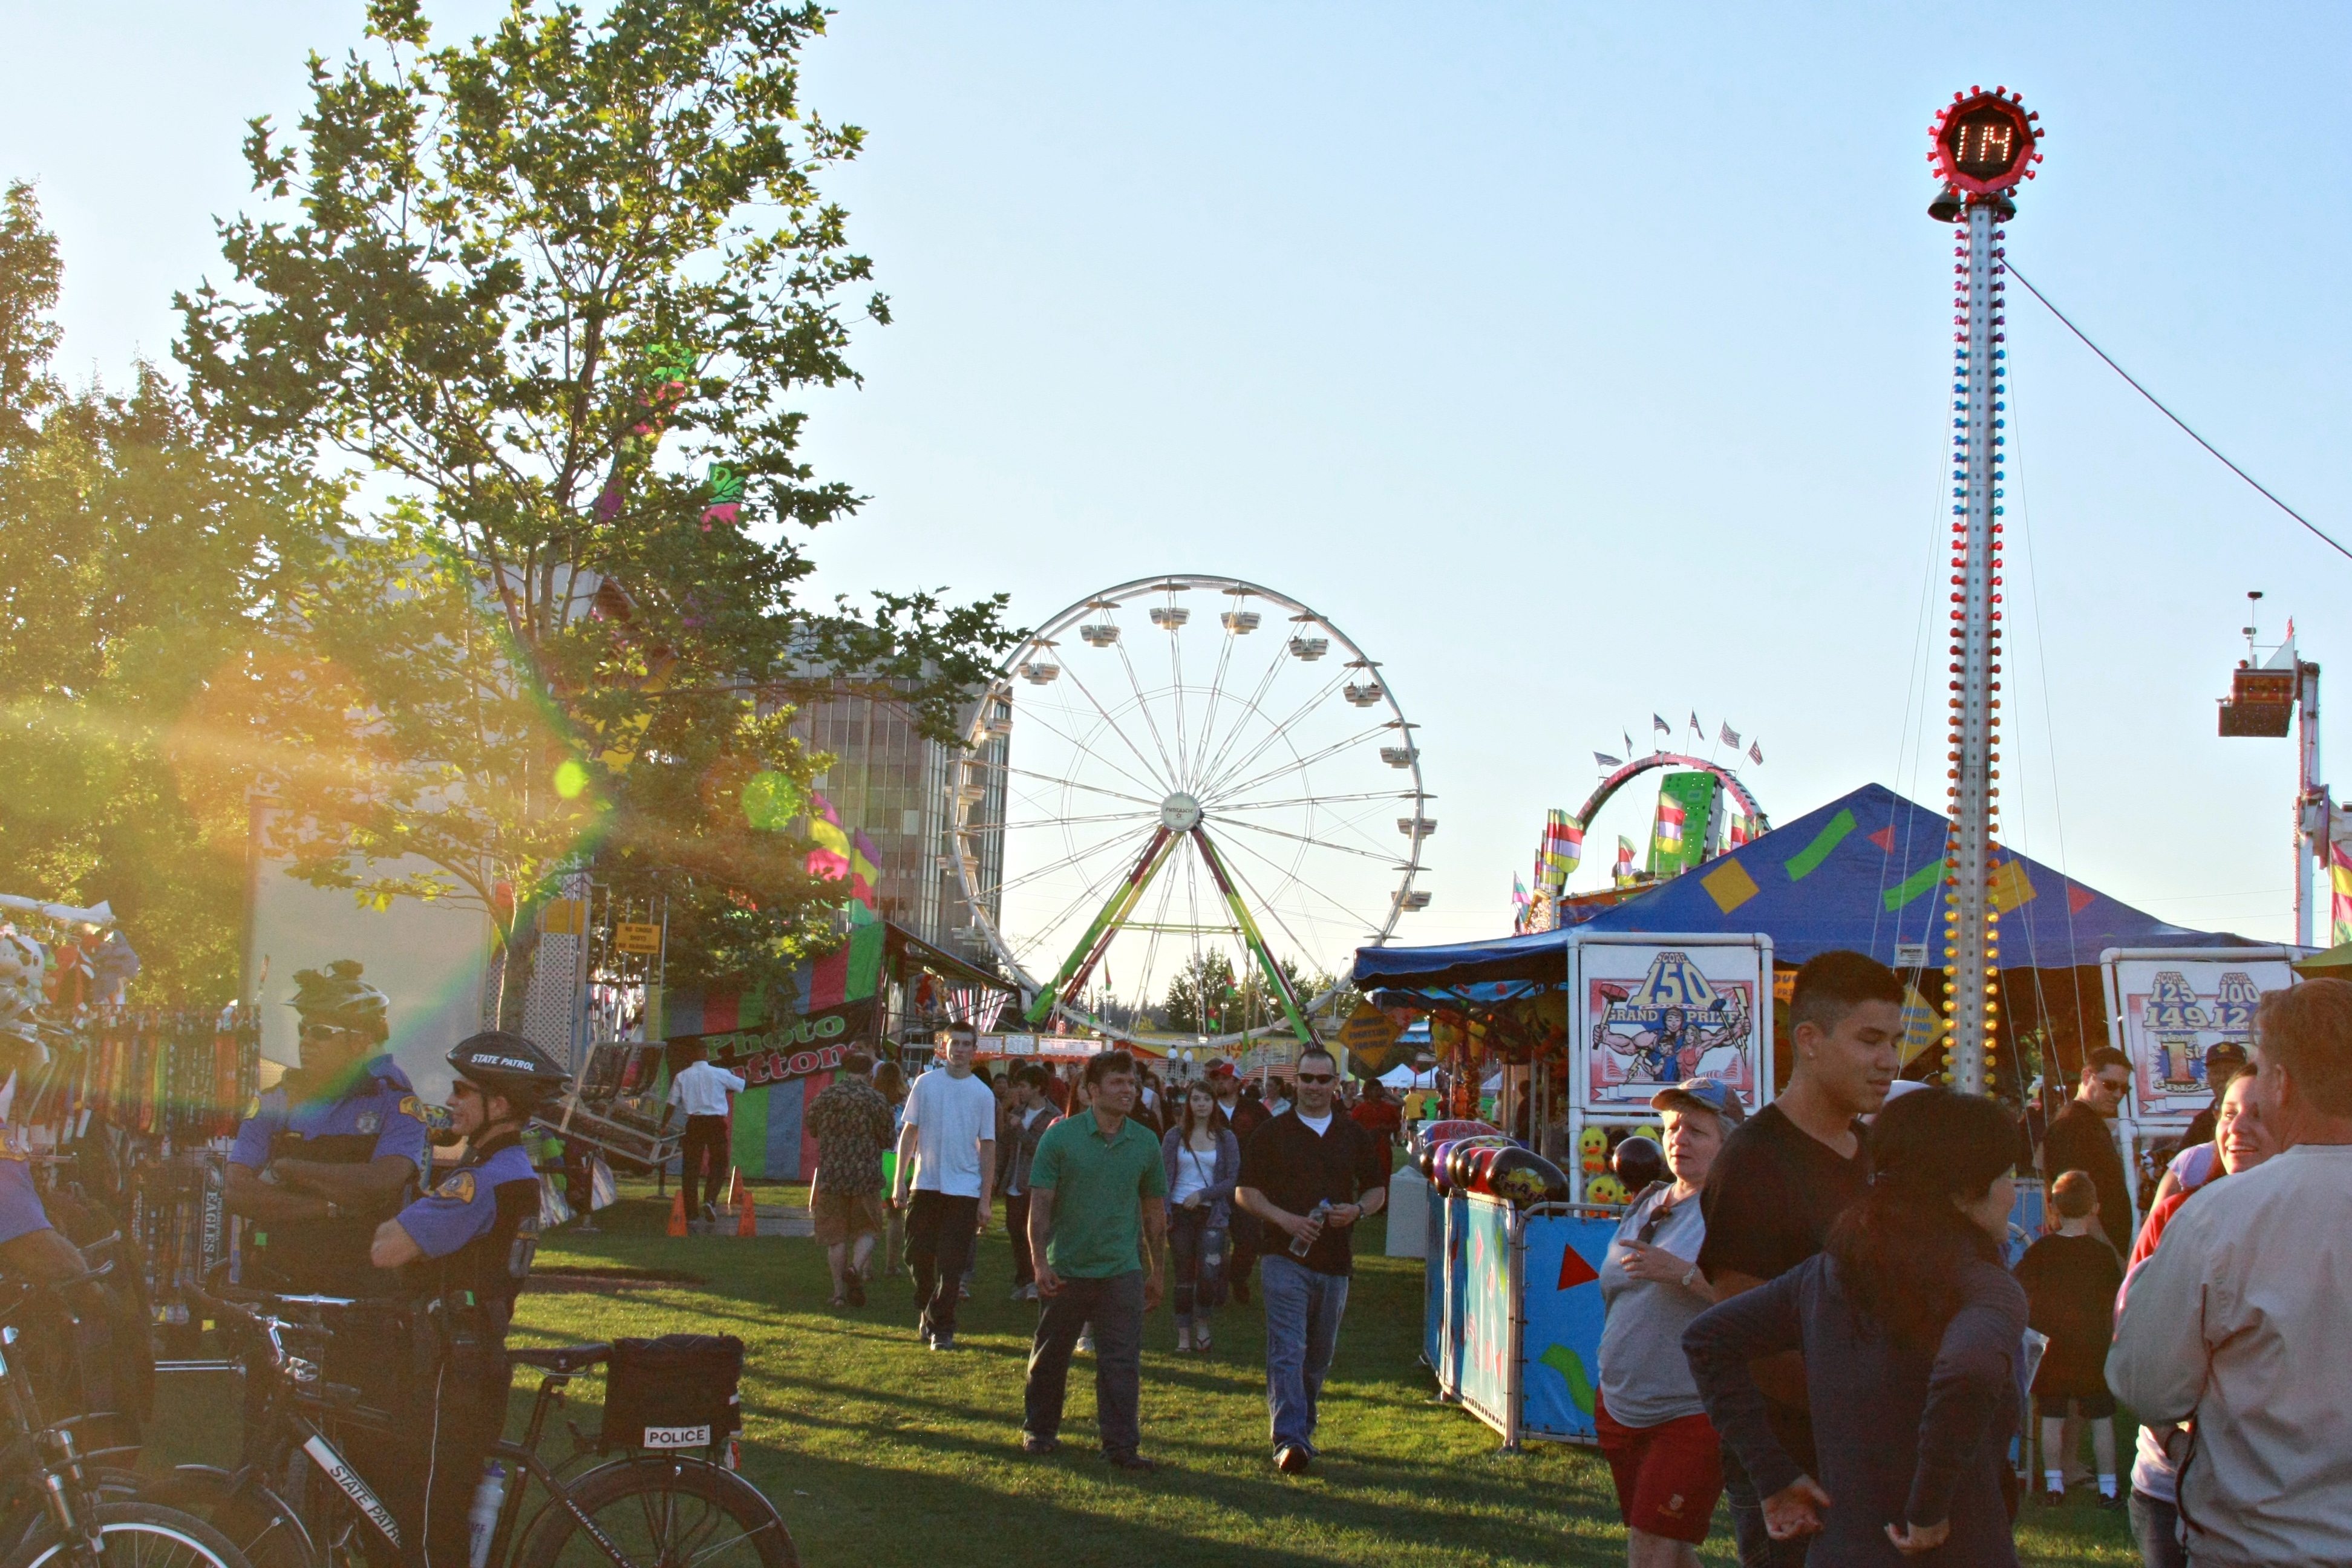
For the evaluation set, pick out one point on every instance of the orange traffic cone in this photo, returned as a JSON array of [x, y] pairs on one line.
[[750, 1224], [677, 1215]]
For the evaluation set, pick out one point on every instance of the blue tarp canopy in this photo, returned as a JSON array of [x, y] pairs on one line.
[[1864, 872]]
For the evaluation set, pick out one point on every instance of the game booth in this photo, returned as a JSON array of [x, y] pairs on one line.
[[1690, 978]]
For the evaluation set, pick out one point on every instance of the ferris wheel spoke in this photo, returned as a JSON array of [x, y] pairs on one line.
[[1008, 825], [1297, 762], [1144, 997], [1253, 705], [1267, 740], [1085, 749], [1092, 894], [1012, 773], [1176, 696], [1076, 857], [1270, 910], [1143, 705], [1354, 917], [1209, 713], [1314, 800], [1304, 838]]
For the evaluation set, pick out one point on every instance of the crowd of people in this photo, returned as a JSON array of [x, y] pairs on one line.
[[1119, 1193], [1815, 1319]]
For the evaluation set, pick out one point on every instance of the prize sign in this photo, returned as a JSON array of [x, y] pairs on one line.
[[1985, 143], [1655, 1012], [2168, 1011]]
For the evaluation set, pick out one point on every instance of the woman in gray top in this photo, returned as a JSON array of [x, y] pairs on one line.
[[1662, 1453], [1203, 1160], [1911, 1331]]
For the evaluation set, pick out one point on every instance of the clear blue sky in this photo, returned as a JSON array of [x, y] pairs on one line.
[[1581, 361]]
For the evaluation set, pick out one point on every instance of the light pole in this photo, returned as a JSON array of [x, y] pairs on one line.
[[1983, 144]]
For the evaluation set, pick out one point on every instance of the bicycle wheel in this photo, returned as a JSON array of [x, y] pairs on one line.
[[663, 1513], [259, 1525], [137, 1535]]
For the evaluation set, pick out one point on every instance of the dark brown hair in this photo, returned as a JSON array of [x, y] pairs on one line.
[[1102, 1064], [1833, 984], [1901, 1250]]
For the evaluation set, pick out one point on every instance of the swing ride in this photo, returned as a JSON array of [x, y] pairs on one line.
[[1200, 785]]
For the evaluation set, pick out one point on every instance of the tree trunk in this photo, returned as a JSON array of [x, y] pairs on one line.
[[514, 979]]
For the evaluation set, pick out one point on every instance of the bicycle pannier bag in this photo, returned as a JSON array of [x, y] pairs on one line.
[[676, 1391]]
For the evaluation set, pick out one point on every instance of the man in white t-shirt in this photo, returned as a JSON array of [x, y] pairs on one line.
[[947, 1153], [700, 1090]]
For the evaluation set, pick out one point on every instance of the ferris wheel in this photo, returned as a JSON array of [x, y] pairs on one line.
[[1187, 798]]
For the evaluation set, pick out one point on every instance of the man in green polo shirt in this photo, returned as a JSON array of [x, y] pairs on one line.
[[1098, 1231]]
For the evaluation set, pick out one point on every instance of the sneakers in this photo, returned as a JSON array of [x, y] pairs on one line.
[[709, 1213], [1032, 1444], [1184, 1338], [943, 1342], [1201, 1336], [1135, 1464], [1087, 1342], [1027, 1292], [1292, 1459], [963, 1292], [2109, 1502]]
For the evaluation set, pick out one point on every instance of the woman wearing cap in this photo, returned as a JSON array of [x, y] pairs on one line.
[[1662, 1453]]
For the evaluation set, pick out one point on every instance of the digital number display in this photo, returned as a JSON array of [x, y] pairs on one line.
[[1984, 144]]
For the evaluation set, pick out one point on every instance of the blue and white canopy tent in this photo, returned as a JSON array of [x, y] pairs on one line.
[[1865, 873]]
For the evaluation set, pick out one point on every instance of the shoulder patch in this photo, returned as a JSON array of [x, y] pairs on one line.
[[368, 1122], [410, 1106], [457, 1189]]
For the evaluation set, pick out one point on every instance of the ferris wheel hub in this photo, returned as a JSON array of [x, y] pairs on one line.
[[1179, 812]]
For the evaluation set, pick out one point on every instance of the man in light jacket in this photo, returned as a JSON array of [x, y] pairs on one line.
[[2236, 1323]]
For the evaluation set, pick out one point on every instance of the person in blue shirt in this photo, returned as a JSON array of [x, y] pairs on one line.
[[463, 1250], [336, 1147], [30, 1248]]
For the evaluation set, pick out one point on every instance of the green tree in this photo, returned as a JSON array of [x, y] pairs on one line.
[[137, 564], [1203, 998], [553, 289]]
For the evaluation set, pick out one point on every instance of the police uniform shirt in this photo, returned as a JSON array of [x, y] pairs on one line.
[[20, 1200], [379, 1115], [466, 1208]]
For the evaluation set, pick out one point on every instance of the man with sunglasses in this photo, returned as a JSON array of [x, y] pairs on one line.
[[1309, 1174], [2080, 1138], [333, 1149]]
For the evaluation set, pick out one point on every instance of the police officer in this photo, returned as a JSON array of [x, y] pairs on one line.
[[336, 1147], [30, 1248], [465, 1248]]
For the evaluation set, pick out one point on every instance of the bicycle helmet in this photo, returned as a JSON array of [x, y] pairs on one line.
[[340, 999], [506, 1064]]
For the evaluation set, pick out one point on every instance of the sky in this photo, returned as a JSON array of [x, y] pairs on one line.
[[1582, 362]]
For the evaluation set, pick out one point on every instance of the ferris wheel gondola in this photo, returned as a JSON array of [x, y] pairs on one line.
[[1188, 781]]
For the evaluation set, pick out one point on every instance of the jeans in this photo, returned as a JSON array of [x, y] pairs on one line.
[[1756, 1547], [1193, 1268], [705, 1136], [940, 1228], [1116, 1307], [1302, 1332], [1016, 1231], [2156, 1525]]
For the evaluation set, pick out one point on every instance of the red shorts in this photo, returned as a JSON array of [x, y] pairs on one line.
[[1668, 1475]]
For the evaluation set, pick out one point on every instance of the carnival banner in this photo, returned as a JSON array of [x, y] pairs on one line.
[[1559, 1335], [1686, 803], [2165, 1010], [1655, 1011], [1488, 1353]]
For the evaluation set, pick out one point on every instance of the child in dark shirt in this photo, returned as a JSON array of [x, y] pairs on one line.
[[2071, 1277]]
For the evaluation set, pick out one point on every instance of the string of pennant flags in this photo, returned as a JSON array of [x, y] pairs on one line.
[[1725, 736]]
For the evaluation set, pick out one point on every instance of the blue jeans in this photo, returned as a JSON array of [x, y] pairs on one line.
[[1302, 1330]]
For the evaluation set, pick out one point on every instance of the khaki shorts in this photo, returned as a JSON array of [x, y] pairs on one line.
[[840, 1217]]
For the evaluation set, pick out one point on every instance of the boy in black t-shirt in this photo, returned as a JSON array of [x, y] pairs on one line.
[[1785, 1176], [2071, 1277]]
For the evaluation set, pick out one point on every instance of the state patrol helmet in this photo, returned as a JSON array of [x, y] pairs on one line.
[[507, 1064]]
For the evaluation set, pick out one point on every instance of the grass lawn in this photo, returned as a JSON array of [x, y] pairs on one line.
[[880, 1453]]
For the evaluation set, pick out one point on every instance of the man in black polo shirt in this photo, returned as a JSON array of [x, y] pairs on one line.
[[1309, 1174], [1787, 1173]]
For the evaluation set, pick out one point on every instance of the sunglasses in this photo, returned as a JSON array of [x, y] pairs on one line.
[[1658, 1217], [1318, 1078], [327, 1032]]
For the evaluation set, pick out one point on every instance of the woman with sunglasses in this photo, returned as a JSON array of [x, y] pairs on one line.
[[1203, 1160], [1662, 1453]]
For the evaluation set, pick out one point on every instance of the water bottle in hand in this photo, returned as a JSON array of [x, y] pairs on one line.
[[1302, 1244]]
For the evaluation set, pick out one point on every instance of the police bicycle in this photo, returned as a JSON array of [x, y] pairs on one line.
[[298, 1502], [58, 1506]]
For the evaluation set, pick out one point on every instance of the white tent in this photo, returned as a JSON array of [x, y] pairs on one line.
[[1402, 1078]]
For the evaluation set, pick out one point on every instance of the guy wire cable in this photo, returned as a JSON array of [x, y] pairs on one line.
[[2176, 418]]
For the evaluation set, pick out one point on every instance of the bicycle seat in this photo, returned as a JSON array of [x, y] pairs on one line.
[[564, 1359]]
